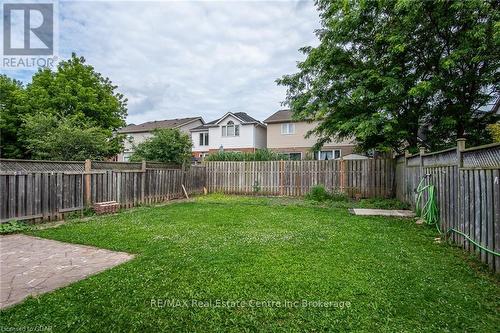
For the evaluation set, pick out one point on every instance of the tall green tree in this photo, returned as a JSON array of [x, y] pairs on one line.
[[68, 139], [70, 113], [399, 73], [12, 101], [166, 145], [76, 90]]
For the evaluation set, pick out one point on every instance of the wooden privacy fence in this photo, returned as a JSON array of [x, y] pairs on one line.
[[468, 193], [365, 178], [36, 193]]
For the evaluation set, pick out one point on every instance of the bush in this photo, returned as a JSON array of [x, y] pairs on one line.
[[12, 227], [168, 145], [258, 155], [338, 196], [318, 193]]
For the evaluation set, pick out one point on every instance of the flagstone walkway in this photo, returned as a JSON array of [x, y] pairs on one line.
[[33, 266]]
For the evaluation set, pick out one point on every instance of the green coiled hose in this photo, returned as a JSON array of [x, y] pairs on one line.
[[430, 212]]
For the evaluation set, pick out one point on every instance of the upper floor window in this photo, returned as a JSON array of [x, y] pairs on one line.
[[203, 139], [230, 129], [288, 128]]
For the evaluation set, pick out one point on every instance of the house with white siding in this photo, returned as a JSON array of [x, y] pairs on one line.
[[237, 132], [136, 134]]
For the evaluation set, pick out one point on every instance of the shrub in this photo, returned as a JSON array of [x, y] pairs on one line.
[[12, 227], [168, 145], [339, 196], [318, 193], [258, 155]]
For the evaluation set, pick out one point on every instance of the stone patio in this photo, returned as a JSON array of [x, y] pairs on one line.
[[33, 266]]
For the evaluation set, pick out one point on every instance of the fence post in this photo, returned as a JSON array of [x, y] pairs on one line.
[[282, 177], [143, 180], [460, 204], [88, 175], [460, 149], [342, 175], [421, 152]]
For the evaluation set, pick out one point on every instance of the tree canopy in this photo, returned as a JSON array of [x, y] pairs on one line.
[[397, 74], [166, 145], [12, 108], [70, 113]]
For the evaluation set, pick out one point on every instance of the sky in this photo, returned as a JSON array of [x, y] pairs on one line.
[[175, 59]]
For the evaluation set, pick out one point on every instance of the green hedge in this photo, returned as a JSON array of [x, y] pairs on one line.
[[258, 155]]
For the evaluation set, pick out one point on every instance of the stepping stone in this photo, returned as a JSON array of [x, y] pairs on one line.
[[381, 212]]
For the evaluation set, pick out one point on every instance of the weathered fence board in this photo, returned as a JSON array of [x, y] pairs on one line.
[[365, 178], [49, 195], [468, 193]]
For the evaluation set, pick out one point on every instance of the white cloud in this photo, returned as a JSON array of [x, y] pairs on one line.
[[176, 59]]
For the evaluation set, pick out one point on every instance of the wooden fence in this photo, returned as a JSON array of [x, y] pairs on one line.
[[49, 195], [365, 178], [468, 193]]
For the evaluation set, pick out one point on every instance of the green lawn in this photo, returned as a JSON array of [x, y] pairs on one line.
[[390, 271]]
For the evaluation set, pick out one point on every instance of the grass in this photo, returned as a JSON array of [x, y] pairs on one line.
[[390, 271]]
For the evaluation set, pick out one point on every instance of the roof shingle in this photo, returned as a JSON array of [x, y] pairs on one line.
[[279, 117], [151, 125], [243, 116]]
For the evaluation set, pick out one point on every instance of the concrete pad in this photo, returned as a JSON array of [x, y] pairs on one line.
[[33, 266], [382, 212]]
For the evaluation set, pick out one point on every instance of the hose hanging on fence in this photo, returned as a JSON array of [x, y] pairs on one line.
[[430, 212]]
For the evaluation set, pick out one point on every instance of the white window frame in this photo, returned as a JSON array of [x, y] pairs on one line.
[[126, 156], [287, 128], [203, 139], [333, 154], [230, 126]]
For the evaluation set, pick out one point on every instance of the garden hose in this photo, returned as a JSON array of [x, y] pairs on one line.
[[473, 242], [430, 212]]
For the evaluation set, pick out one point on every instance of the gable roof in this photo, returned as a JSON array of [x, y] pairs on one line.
[[241, 116], [151, 125], [280, 117]]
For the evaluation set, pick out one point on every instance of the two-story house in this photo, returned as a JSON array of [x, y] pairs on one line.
[[287, 136], [136, 134], [232, 132]]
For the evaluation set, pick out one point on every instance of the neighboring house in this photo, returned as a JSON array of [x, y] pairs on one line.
[[139, 133], [287, 136], [232, 132]]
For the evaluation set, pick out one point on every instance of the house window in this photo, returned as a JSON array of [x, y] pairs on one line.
[[288, 128], [294, 156], [231, 129], [126, 157], [326, 155], [203, 139]]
